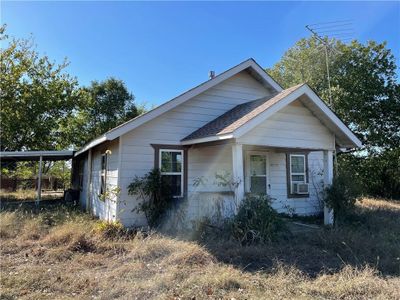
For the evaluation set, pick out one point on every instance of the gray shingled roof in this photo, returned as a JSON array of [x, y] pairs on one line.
[[238, 116]]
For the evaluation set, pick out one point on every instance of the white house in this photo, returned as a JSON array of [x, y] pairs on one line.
[[240, 125]]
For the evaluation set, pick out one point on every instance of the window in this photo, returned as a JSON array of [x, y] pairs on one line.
[[103, 183], [297, 172], [258, 174], [80, 175], [171, 167]]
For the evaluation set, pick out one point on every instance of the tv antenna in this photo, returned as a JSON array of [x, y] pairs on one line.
[[342, 30]]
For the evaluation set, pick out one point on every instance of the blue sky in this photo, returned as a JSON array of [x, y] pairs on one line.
[[161, 49]]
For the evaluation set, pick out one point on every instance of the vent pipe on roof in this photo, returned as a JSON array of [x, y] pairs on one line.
[[211, 74]]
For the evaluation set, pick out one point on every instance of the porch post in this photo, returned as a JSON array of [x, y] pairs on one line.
[[238, 172], [328, 178]]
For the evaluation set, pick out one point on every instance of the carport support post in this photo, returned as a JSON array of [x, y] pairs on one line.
[[328, 179], [39, 190]]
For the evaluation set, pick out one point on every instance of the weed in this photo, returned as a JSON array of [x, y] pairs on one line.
[[65, 256]]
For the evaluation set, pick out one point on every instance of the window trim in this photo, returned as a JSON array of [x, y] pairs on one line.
[[160, 151], [289, 174], [291, 156], [158, 147]]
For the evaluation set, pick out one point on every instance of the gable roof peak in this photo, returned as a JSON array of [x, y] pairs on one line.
[[242, 118], [228, 122], [256, 70]]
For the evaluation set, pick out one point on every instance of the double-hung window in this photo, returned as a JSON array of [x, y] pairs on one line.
[[171, 167], [298, 171]]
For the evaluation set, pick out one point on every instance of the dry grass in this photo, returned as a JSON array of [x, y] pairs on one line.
[[29, 195], [372, 203], [62, 254]]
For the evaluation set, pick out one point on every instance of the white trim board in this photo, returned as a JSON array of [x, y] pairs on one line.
[[136, 122]]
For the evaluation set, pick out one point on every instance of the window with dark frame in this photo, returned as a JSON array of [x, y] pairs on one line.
[[171, 167], [103, 183], [80, 175], [297, 171]]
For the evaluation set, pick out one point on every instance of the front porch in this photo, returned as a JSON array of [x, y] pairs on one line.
[[293, 177], [258, 169]]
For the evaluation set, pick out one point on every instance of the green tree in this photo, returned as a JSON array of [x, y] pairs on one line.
[[365, 92], [302, 63], [110, 105], [36, 94], [43, 107], [365, 95], [104, 105]]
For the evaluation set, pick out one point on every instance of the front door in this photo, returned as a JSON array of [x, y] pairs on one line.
[[257, 173]]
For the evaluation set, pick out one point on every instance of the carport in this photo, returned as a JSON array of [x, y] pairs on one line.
[[40, 156]]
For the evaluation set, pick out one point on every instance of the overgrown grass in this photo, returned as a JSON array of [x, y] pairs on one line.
[[29, 195], [370, 236], [62, 253]]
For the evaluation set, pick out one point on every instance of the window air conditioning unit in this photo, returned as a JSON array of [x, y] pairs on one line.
[[302, 188]]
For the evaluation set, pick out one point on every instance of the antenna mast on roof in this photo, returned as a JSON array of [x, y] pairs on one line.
[[338, 30]]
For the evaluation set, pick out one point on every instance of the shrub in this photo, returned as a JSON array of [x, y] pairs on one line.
[[256, 221], [155, 195], [342, 195], [112, 230], [379, 172], [207, 229], [9, 224]]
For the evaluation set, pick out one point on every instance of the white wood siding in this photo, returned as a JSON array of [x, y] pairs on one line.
[[205, 163], [138, 155], [105, 210], [278, 181], [293, 126]]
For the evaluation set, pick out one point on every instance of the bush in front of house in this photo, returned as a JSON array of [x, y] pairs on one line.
[[341, 195], [155, 196], [256, 221]]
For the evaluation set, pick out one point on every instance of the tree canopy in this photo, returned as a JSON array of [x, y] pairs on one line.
[[43, 107], [365, 91], [365, 95], [110, 105], [105, 105], [37, 95]]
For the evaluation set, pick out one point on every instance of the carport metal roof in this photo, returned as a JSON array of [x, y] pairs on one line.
[[36, 155]]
